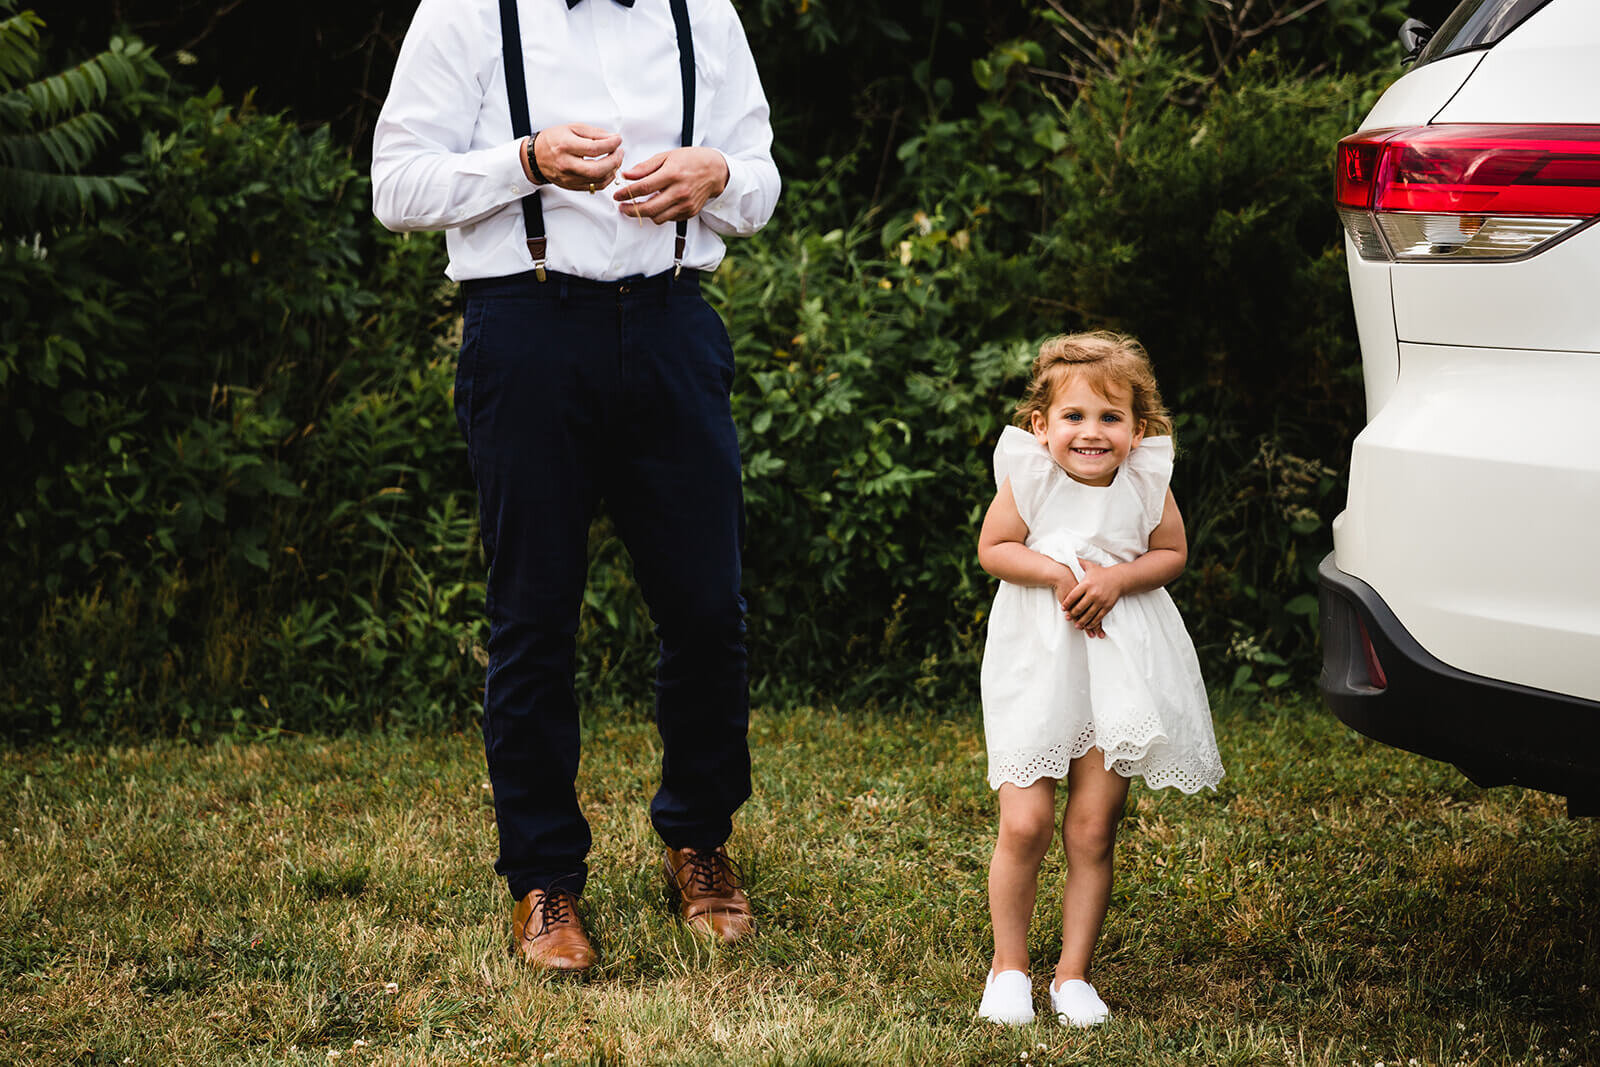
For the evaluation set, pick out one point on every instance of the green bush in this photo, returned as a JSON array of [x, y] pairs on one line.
[[241, 501], [234, 400], [878, 364], [53, 127]]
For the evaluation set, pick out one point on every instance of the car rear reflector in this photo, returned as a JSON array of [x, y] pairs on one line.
[[1466, 192], [1376, 678]]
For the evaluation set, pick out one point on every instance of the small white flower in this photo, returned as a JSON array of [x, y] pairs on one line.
[[1042, 1046], [362, 1044], [391, 987], [333, 1054]]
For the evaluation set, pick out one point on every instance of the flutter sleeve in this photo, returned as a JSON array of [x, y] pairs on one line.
[[1020, 457], [1150, 470]]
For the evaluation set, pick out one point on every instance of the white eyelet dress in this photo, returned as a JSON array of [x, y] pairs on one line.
[[1050, 693]]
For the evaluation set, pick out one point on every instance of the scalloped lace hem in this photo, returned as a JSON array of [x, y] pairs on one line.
[[1190, 773]]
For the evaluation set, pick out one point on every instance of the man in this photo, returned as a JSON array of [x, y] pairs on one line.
[[591, 368]]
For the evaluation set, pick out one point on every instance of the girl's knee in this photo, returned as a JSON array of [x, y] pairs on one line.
[[1089, 837], [1027, 833]]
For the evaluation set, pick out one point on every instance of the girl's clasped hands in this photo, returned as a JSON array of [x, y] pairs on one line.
[[1086, 601]]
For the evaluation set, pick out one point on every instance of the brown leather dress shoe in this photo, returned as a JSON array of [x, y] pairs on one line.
[[547, 932], [710, 892]]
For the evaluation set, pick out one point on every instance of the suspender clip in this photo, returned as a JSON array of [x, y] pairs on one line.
[[536, 250]]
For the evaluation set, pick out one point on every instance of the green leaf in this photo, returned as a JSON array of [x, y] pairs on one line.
[[1304, 604]]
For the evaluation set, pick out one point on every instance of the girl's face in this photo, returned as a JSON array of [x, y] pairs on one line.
[[1089, 433]]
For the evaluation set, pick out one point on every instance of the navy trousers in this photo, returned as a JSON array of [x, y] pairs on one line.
[[569, 392]]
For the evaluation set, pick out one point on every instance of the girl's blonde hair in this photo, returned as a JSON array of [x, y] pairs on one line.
[[1104, 359]]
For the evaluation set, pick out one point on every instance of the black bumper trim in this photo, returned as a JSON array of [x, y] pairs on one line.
[[1497, 732]]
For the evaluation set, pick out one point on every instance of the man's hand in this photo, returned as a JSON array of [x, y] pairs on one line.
[[1086, 605], [578, 156], [672, 185]]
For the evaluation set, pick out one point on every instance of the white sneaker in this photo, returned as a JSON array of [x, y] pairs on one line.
[[1007, 999], [1077, 1004]]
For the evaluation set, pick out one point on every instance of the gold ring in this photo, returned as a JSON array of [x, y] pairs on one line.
[[591, 187]]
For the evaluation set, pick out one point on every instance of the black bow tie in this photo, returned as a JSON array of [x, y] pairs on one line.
[[574, 3]]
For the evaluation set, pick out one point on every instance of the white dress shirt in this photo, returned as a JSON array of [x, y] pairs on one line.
[[444, 157]]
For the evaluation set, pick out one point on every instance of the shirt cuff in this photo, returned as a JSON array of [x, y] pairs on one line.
[[726, 203], [506, 164]]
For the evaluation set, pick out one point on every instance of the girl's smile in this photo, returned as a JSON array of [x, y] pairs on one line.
[[1088, 433]]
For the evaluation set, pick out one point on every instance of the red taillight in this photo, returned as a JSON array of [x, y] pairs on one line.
[[1466, 191], [1358, 165], [1498, 170]]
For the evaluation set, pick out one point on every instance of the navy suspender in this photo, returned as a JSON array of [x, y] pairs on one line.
[[522, 126], [680, 19]]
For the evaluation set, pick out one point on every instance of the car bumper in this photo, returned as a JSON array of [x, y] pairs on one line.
[[1473, 495], [1379, 680]]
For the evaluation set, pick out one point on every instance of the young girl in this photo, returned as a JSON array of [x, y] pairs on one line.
[[1088, 674]]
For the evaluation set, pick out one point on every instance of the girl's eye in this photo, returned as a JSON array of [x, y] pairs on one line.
[[1112, 417], [1073, 416]]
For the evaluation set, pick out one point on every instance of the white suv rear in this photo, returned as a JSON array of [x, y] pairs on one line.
[[1461, 604]]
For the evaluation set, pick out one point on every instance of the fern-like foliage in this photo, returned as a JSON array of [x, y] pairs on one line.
[[52, 125]]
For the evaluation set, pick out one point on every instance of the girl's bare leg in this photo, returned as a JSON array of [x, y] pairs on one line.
[[1027, 824], [1089, 833]]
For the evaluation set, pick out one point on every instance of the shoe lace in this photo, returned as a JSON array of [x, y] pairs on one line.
[[556, 910], [713, 871]]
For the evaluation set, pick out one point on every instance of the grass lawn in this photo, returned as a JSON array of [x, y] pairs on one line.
[[312, 901]]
